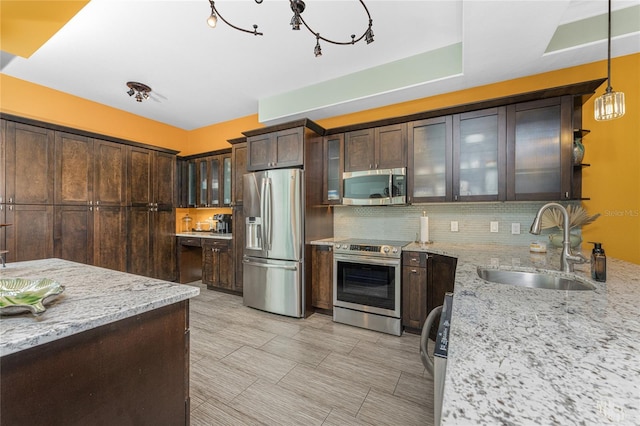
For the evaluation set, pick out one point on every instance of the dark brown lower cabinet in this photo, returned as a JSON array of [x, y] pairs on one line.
[[217, 264], [73, 233], [426, 278], [322, 277], [151, 243], [131, 372], [30, 236], [189, 259], [109, 238]]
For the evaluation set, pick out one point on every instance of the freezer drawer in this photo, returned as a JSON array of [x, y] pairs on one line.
[[273, 286]]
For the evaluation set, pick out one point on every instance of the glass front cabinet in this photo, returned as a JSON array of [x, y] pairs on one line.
[[518, 152], [430, 153], [540, 150]]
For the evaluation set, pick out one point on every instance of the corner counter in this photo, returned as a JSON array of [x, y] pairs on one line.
[[112, 349], [533, 356]]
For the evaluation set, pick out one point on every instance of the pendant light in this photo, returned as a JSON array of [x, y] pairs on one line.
[[610, 105]]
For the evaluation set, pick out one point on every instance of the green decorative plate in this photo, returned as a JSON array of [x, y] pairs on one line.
[[18, 295]]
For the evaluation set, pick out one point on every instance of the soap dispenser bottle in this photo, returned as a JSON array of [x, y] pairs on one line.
[[598, 263]]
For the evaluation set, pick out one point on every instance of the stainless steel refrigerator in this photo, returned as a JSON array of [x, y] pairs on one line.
[[274, 241]]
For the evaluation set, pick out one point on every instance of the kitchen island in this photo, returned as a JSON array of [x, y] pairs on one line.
[[112, 349], [527, 356]]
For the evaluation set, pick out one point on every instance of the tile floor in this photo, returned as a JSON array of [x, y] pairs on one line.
[[251, 367]]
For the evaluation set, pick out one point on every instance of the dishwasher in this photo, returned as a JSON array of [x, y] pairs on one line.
[[437, 365]]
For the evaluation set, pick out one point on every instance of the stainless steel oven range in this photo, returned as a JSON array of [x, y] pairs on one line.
[[366, 284]]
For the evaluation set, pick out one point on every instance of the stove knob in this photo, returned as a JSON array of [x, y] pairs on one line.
[[395, 250], [337, 246], [385, 249]]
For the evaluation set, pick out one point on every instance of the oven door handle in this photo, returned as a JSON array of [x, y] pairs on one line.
[[427, 361]]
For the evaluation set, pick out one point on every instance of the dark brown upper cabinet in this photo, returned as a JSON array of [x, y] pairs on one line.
[[214, 181], [29, 167], [430, 175], [151, 178], [110, 173], [540, 150], [376, 148], [479, 154], [74, 169], [284, 148], [333, 149]]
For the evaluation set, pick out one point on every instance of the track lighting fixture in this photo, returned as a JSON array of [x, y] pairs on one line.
[[141, 91], [297, 7]]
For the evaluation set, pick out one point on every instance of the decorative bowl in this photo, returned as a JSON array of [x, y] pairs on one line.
[[19, 295]]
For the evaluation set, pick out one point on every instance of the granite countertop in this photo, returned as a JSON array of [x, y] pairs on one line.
[[92, 297], [324, 242], [206, 234], [533, 356]]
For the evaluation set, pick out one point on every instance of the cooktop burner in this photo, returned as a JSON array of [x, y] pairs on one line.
[[386, 248]]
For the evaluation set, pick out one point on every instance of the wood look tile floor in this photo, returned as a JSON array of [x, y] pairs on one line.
[[250, 367]]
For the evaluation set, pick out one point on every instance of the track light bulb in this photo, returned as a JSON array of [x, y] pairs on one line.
[[212, 20]]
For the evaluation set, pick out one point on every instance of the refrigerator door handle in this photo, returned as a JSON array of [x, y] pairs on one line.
[[267, 214], [263, 209], [268, 265]]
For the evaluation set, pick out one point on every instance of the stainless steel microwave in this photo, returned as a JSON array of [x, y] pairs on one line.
[[381, 187]]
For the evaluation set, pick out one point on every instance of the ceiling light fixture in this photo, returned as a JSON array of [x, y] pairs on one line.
[[140, 90], [298, 6], [610, 105]]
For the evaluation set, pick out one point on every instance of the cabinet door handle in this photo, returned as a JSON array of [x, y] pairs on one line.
[[98, 203], [90, 202], [413, 271], [90, 209], [10, 200], [455, 198]]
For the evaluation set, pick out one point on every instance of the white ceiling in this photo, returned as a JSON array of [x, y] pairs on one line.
[[202, 76]]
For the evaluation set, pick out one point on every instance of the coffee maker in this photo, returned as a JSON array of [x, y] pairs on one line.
[[223, 223]]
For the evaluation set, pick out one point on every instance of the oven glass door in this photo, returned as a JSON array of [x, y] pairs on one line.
[[370, 285]]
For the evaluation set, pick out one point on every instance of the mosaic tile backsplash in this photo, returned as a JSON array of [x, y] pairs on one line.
[[403, 222]]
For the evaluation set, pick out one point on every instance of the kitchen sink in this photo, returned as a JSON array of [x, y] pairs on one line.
[[533, 279]]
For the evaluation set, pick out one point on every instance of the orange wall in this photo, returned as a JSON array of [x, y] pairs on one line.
[[613, 148], [24, 99], [216, 136]]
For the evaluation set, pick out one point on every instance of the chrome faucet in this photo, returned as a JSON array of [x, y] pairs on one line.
[[567, 258]]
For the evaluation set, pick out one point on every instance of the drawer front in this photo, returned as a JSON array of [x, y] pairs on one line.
[[211, 243], [189, 241], [414, 258]]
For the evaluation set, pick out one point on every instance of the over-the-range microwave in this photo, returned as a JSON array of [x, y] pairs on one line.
[[380, 187]]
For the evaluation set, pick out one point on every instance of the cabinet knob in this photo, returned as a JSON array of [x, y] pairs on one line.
[[90, 209], [98, 203], [10, 200]]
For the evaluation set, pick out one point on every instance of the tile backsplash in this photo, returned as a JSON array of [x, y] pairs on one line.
[[403, 222]]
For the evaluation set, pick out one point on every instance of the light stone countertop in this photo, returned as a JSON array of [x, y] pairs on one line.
[[324, 242], [527, 356], [206, 234], [92, 297]]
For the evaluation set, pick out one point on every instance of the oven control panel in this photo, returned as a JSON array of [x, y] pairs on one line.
[[387, 250]]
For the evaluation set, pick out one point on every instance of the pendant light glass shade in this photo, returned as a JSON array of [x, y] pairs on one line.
[[609, 106]]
